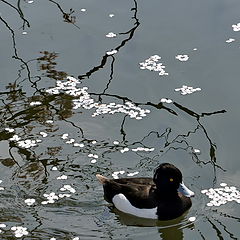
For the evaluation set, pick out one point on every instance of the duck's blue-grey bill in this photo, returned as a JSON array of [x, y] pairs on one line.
[[185, 191]]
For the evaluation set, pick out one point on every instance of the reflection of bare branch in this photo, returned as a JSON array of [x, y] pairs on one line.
[[105, 57], [19, 10], [66, 16]]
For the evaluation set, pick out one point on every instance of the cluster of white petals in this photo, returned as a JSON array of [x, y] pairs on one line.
[[143, 149], [111, 52], [187, 90], [126, 149], [19, 231], [62, 177], [28, 143], [35, 103], [15, 138], [30, 201], [166, 100], [116, 173], [43, 134], [153, 64], [51, 198], [111, 35], [85, 101], [236, 27], [9, 130], [132, 174], [222, 195], [182, 57], [68, 188], [230, 40]]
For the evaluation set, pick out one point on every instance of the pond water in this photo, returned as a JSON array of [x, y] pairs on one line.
[[107, 86]]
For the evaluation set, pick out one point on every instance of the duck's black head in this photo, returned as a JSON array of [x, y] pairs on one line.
[[167, 178]]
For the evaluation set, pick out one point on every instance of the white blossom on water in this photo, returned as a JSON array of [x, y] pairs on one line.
[[153, 64], [64, 136], [230, 40], [50, 198], [35, 103], [93, 161], [116, 173], [187, 90], [68, 188], [182, 57], [192, 219], [111, 52], [126, 149], [27, 143], [111, 35], [132, 174], [19, 231], [30, 1], [72, 140], [15, 138], [9, 130], [84, 100], [2, 225], [143, 149], [30, 201], [115, 142], [111, 15], [49, 121], [222, 195], [62, 177], [236, 27], [196, 151], [78, 145], [54, 168], [43, 134], [83, 10], [166, 100]]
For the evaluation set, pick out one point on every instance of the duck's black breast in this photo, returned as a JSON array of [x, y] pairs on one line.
[[141, 192]]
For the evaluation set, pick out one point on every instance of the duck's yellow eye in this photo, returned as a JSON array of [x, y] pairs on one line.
[[171, 179]]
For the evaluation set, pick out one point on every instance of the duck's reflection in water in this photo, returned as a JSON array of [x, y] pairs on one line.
[[169, 230]]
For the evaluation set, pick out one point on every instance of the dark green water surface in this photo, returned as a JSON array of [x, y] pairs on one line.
[[43, 42]]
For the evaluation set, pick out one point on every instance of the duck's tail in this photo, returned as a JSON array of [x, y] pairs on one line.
[[102, 179]]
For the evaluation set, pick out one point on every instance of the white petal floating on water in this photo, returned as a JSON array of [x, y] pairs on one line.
[[236, 27], [182, 57], [64, 136], [43, 134], [230, 40], [111, 52], [30, 201], [54, 168], [9, 130], [111, 15], [223, 184], [192, 219], [93, 161], [83, 10], [35, 103], [187, 90], [62, 177], [111, 35], [2, 225]]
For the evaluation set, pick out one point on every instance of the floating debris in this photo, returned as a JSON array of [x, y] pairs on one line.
[[19, 231], [83, 10], [9, 130], [35, 103], [54, 168], [236, 27], [115, 142], [152, 64], [111, 35], [187, 90], [222, 195], [30, 201], [24, 33], [30, 1], [195, 49], [93, 155], [230, 40], [111, 15], [166, 100], [93, 161], [182, 58], [111, 52]]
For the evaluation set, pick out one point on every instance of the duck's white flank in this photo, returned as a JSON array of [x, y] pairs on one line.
[[122, 204]]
